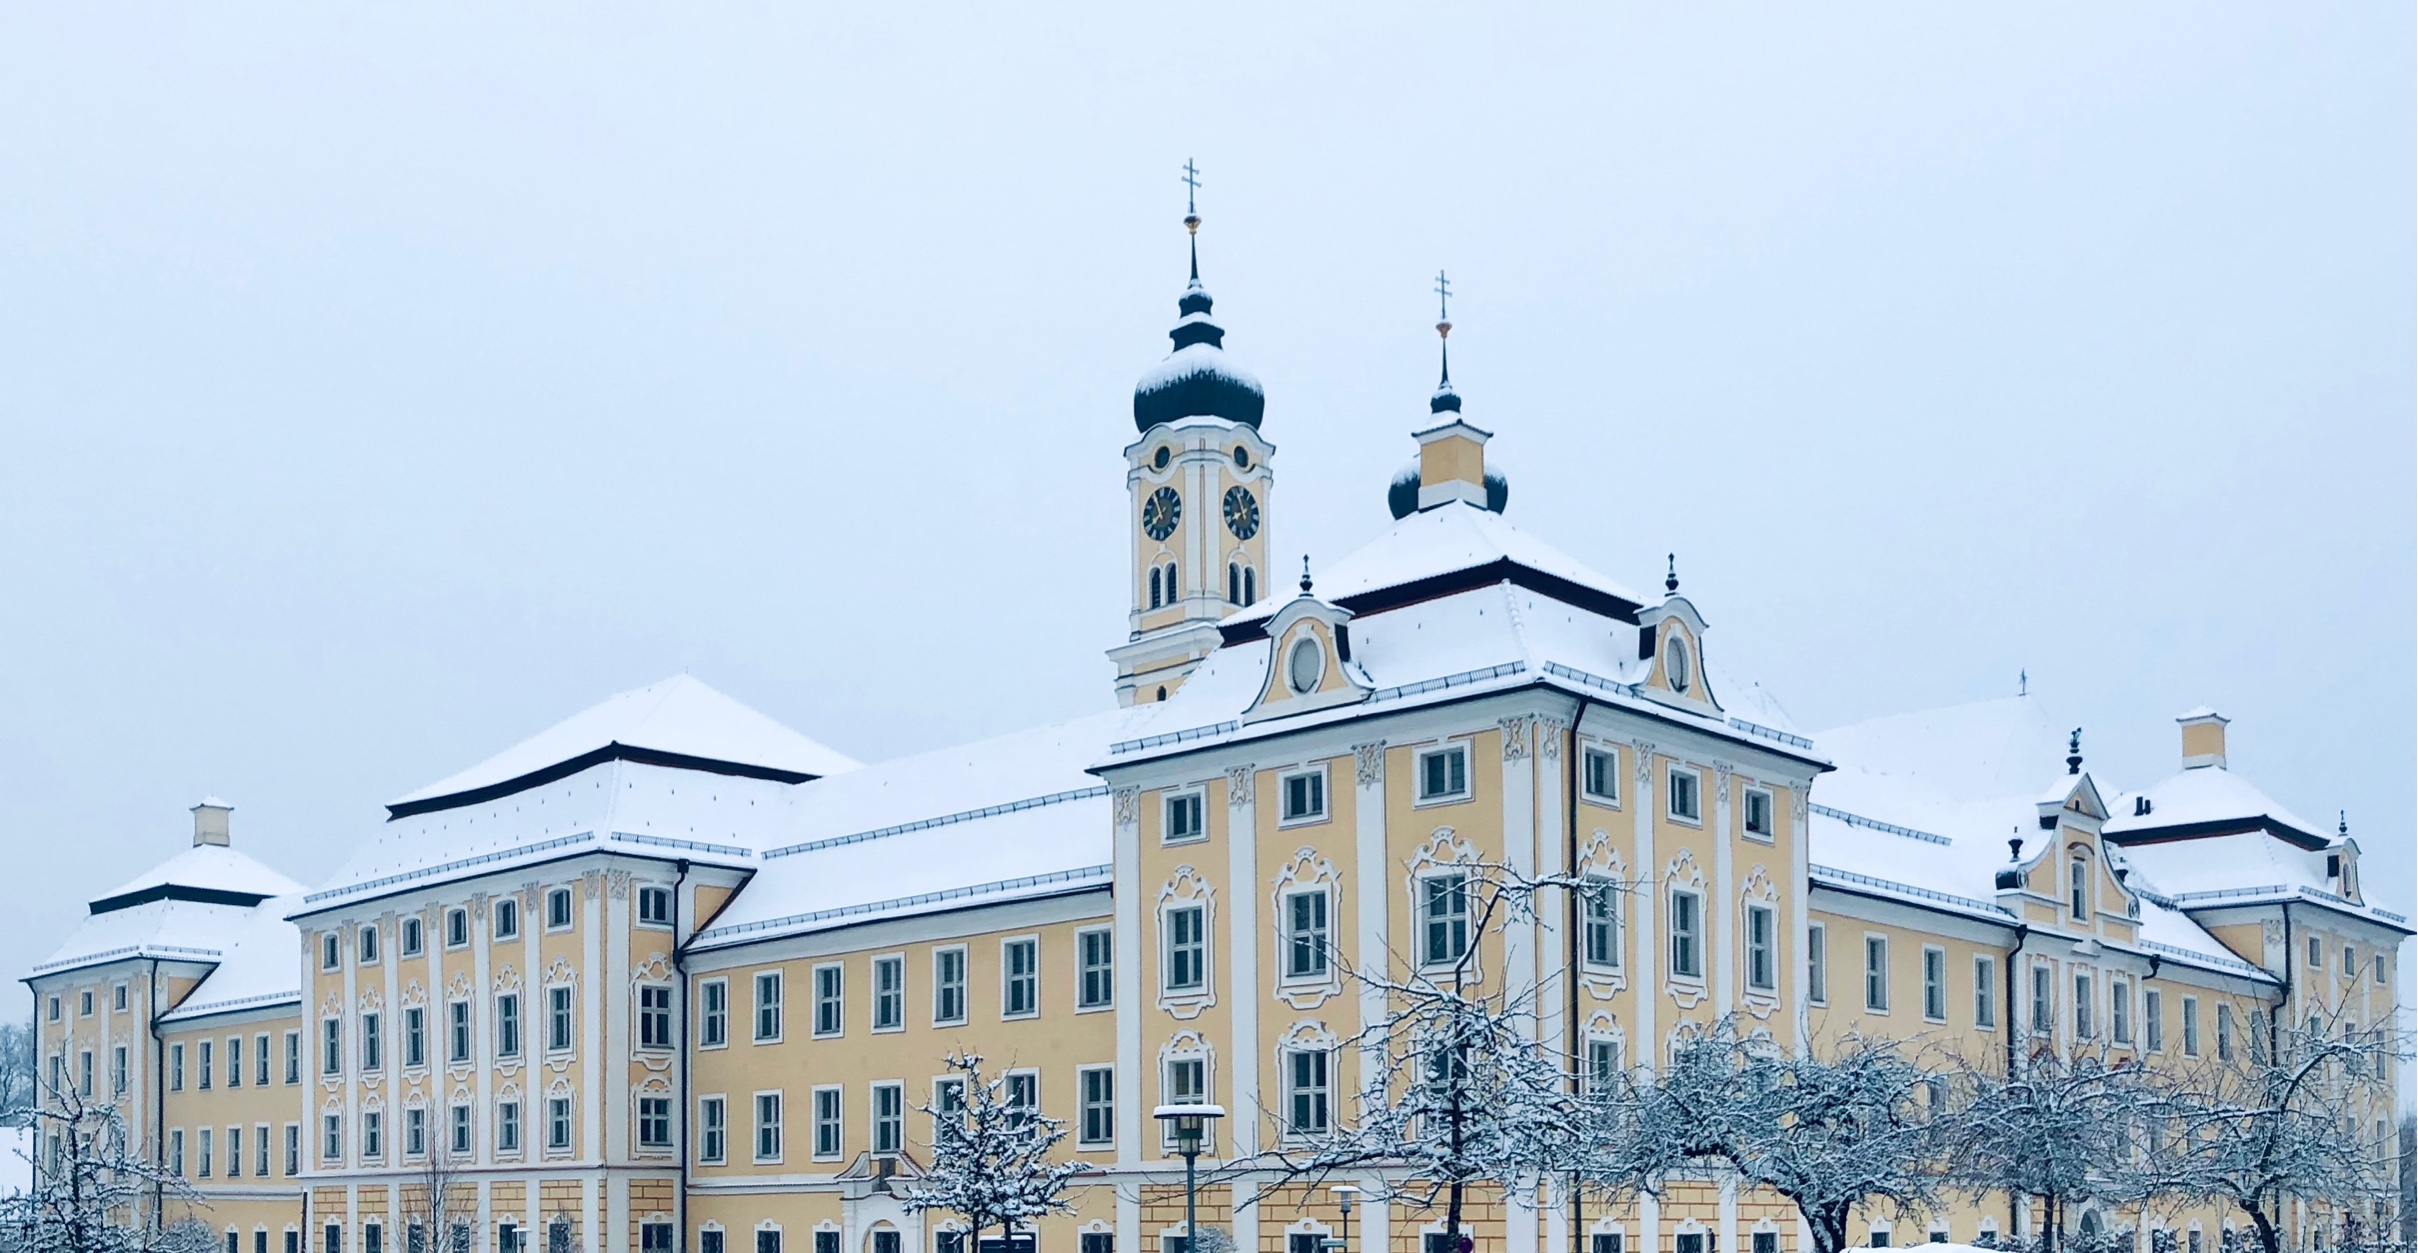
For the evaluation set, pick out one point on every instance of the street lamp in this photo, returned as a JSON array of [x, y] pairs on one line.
[[1190, 1124], [1344, 1196]]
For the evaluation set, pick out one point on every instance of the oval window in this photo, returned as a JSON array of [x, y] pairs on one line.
[[1242, 457], [1675, 662], [1305, 665], [1159, 459]]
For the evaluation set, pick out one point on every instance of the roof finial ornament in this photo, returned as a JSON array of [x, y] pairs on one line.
[[2015, 845], [2073, 752], [1670, 577], [1305, 574], [1192, 214], [2342, 823], [2023, 683], [1446, 400]]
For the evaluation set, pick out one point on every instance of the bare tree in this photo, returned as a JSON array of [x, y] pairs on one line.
[[2063, 1129], [991, 1157], [1832, 1134], [16, 1074], [94, 1190], [1458, 1085], [438, 1208], [2291, 1119]]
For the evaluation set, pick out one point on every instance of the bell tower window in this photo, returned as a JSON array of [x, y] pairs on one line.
[[1154, 587], [1250, 587], [1234, 584]]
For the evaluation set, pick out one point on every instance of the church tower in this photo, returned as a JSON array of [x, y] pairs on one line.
[[1199, 482]]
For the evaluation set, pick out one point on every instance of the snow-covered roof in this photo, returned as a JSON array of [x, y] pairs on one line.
[[207, 869], [1002, 819], [1450, 539], [173, 930], [2202, 799], [260, 964], [679, 721]]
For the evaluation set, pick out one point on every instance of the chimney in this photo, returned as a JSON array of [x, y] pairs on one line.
[[1452, 464], [210, 822], [2203, 738]]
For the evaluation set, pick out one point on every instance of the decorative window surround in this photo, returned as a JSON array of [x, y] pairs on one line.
[[1188, 887], [1306, 870]]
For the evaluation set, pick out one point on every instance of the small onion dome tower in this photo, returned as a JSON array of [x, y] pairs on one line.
[[1402, 495], [1197, 379]]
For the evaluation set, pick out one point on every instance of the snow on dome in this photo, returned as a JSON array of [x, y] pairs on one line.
[[2207, 798], [677, 722], [213, 869]]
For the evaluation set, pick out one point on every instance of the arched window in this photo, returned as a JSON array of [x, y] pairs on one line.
[[2078, 889], [1154, 587], [1234, 584], [1171, 593], [1250, 587]]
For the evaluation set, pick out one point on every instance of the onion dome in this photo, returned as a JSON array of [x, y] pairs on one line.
[[1402, 495], [1197, 379]]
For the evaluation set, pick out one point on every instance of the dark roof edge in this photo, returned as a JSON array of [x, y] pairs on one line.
[[2220, 826], [1452, 582], [177, 892], [615, 751]]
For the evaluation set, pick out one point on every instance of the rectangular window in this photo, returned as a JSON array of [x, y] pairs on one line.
[[459, 1119], [1817, 963], [2153, 1019], [331, 1049], [2078, 891], [1187, 949], [1095, 957], [331, 1136], [2191, 1026], [293, 1149], [1444, 774], [830, 1003], [203, 1170], [889, 1119], [84, 1070], [507, 918], [1876, 973], [1306, 1092], [1443, 918], [117, 995], [1020, 978], [1305, 795], [176, 1153], [1762, 932], [713, 1013], [260, 1150], [558, 909], [654, 1122], [331, 951], [457, 1031], [1184, 818], [2044, 1001], [2120, 1010], [176, 1068], [234, 1061], [293, 1057], [2083, 1004], [2317, 962], [1305, 916], [1758, 813], [508, 1126], [713, 1129], [558, 1019], [1686, 805], [207, 1070], [948, 987], [2224, 1032], [1687, 942], [235, 1152], [373, 1043], [1601, 781], [369, 944], [655, 907], [890, 993], [652, 1238], [54, 1008], [1599, 912], [1187, 1084], [508, 1025], [654, 1016], [414, 943], [558, 1122], [1603, 1065], [1985, 992], [1935, 984], [415, 1036], [1098, 1089], [768, 1240], [768, 1005], [457, 928], [415, 1132], [948, 1100], [117, 1071], [826, 1124]]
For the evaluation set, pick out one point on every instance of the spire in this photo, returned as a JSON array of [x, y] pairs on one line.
[[1446, 400], [2073, 752], [1192, 216], [1197, 378]]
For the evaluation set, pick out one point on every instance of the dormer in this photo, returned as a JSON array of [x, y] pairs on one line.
[[2072, 801], [1310, 664], [1671, 636], [2342, 868]]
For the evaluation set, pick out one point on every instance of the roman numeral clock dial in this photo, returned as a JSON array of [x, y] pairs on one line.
[[1161, 512], [1242, 512]]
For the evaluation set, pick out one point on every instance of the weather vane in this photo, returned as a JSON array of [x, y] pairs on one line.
[[1443, 304], [1192, 185]]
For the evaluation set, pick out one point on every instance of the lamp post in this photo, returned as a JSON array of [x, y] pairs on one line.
[[1190, 1123], [1344, 1196]]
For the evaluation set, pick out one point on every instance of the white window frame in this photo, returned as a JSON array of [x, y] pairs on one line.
[[1086, 1105], [1817, 963], [1603, 894], [2120, 1011], [570, 910], [707, 1013], [1468, 786], [1169, 947], [834, 996], [1324, 952], [1195, 799], [1693, 935], [1457, 924], [1985, 992], [1671, 774], [2191, 1025], [1771, 814], [942, 985], [1168, 1066], [1588, 755], [2153, 1025], [1008, 979], [457, 928], [367, 943], [668, 1017], [412, 939], [1876, 976], [504, 918], [834, 1097], [756, 1125], [1935, 983], [2086, 1006], [1316, 776], [1084, 968], [1767, 949], [895, 998], [757, 981], [671, 907], [1287, 1058], [713, 1130], [892, 1122]]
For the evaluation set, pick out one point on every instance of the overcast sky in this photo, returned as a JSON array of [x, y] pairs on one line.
[[381, 384]]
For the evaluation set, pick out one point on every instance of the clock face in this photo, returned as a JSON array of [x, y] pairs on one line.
[[1242, 512], [1160, 512]]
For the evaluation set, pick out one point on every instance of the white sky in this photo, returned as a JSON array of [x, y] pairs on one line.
[[380, 385]]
